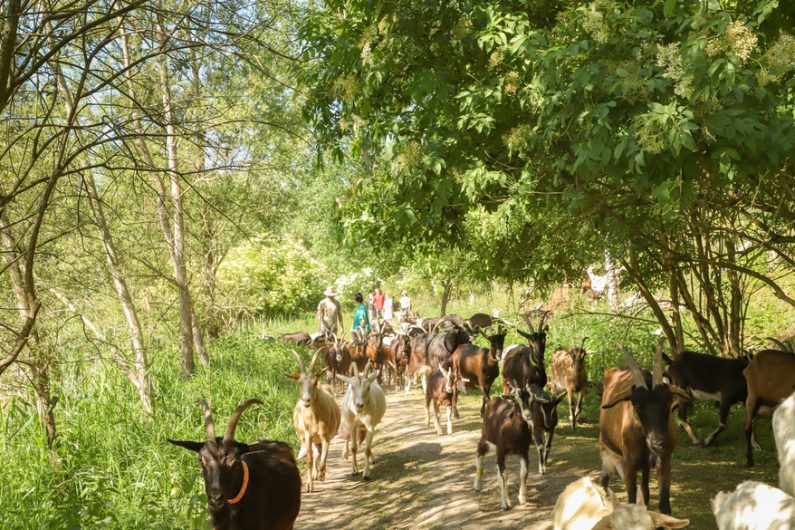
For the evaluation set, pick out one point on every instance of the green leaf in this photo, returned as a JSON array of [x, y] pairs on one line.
[[668, 8]]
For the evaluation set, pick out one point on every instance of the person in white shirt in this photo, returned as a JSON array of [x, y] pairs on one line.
[[405, 305], [329, 312]]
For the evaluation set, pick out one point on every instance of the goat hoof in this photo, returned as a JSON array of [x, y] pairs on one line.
[[366, 478]]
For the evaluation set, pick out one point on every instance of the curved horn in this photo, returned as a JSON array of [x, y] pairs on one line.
[[300, 361], [355, 367], [366, 367], [634, 367], [230, 429], [657, 371], [543, 321], [582, 345], [209, 425], [314, 360], [526, 318], [779, 343]]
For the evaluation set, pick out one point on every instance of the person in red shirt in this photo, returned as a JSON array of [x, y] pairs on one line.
[[378, 303]]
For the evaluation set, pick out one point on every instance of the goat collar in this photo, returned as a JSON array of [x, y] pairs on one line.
[[244, 487]]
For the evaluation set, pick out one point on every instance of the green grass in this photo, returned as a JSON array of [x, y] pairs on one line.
[[115, 468]]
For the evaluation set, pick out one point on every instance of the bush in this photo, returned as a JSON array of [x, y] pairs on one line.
[[269, 276]]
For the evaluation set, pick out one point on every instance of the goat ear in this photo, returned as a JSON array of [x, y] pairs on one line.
[[295, 376], [666, 521], [523, 334], [190, 446], [618, 398]]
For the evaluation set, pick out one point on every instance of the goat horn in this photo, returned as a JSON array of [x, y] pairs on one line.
[[314, 360], [544, 317], [355, 367], [230, 429], [366, 368], [209, 425], [582, 346], [656, 377], [526, 319], [300, 361], [634, 367], [779, 343]]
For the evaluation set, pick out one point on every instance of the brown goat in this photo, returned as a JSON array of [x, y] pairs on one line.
[[478, 364], [440, 391], [771, 380], [636, 428], [569, 375]]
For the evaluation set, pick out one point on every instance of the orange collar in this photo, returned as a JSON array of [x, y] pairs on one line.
[[243, 487]]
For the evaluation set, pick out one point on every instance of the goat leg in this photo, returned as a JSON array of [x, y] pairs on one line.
[[502, 481], [354, 450], [323, 457], [523, 478], [310, 486], [449, 420], [436, 424], [368, 441]]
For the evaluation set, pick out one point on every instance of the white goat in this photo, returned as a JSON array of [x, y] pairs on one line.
[[584, 506], [363, 406], [784, 433], [754, 506], [316, 419]]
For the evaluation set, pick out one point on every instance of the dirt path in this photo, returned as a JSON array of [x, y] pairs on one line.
[[422, 480]]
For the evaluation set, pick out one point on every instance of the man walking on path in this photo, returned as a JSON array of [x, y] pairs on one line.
[[329, 312], [378, 303]]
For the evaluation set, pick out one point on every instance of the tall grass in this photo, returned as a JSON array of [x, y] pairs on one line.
[[115, 468]]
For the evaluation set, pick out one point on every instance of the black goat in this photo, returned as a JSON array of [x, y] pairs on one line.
[[249, 487], [544, 410], [525, 364], [707, 377]]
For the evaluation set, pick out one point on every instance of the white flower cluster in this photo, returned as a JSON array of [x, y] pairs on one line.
[[670, 58], [594, 24]]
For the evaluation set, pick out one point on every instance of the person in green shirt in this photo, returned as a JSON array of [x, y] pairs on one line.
[[361, 321]]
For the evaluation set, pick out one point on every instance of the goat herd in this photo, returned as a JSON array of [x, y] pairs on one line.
[[259, 486]]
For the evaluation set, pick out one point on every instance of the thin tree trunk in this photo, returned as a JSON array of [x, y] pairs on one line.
[[734, 318], [447, 289], [634, 272], [140, 373]]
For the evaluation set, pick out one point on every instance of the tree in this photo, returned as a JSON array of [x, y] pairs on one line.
[[571, 129]]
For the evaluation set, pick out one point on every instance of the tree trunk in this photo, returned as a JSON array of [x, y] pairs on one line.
[[180, 270], [139, 375], [447, 289], [634, 272]]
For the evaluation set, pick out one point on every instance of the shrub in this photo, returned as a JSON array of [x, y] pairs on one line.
[[269, 276]]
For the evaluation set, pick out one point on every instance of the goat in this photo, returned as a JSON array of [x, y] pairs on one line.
[[299, 337], [545, 418], [399, 354], [569, 375], [584, 506], [754, 506], [480, 321], [525, 364], [784, 434], [707, 377], [442, 345], [636, 427], [479, 364], [771, 379], [440, 390], [363, 406], [418, 361], [338, 360], [507, 428], [255, 486], [376, 354], [316, 418], [356, 350]]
